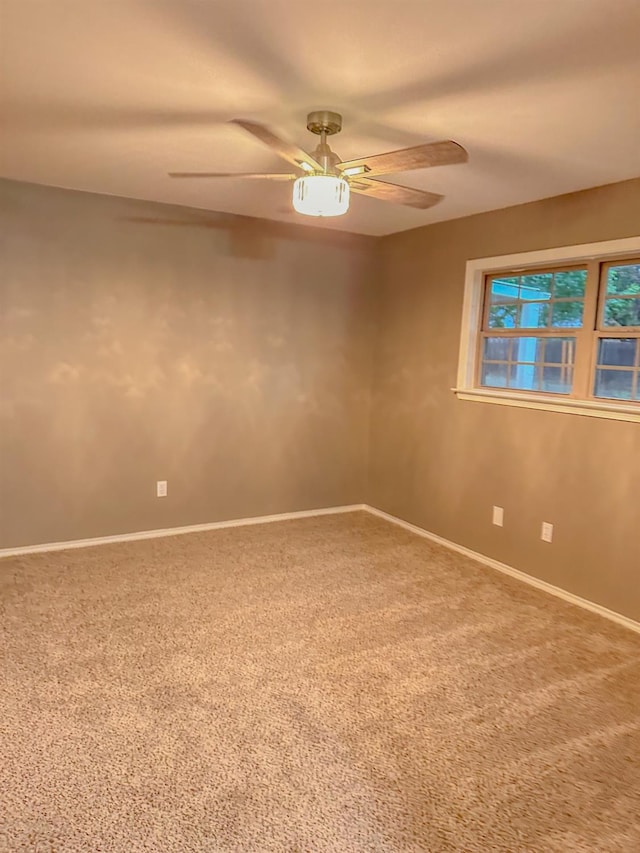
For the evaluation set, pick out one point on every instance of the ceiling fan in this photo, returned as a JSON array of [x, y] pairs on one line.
[[323, 182]]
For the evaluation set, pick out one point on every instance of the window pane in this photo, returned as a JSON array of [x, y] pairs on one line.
[[614, 384], [536, 300], [559, 350], [534, 377], [570, 283], [527, 349], [568, 314], [524, 377], [624, 278], [503, 316], [497, 349], [537, 286], [527, 367], [504, 290], [617, 351], [494, 375], [557, 380], [534, 315], [622, 312]]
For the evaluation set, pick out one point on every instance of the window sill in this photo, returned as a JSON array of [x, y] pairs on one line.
[[588, 408]]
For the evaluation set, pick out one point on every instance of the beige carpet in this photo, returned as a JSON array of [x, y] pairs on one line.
[[332, 684]]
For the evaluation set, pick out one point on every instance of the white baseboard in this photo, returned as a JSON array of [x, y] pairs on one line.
[[625, 621], [175, 531]]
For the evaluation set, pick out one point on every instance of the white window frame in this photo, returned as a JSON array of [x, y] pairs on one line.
[[476, 270]]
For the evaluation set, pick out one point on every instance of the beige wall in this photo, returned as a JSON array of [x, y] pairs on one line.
[[442, 463], [233, 362], [236, 363]]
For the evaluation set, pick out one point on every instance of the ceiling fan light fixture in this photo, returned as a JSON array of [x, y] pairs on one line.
[[326, 181], [321, 195]]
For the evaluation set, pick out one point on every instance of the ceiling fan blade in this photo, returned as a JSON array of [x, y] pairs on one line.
[[290, 152], [419, 157], [251, 175], [395, 193]]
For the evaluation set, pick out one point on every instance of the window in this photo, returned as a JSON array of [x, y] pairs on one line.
[[527, 338], [540, 328], [565, 334]]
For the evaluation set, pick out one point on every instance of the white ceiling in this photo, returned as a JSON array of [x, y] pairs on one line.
[[110, 95]]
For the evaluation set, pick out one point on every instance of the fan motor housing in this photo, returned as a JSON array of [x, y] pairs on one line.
[[324, 121]]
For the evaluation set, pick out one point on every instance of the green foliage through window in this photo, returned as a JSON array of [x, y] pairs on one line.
[[522, 302], [622, 304]]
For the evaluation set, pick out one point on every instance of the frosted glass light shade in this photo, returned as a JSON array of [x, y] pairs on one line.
[[321, 195]]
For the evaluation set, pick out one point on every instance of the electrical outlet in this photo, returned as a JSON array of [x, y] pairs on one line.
[[161, 489], [546, 534], [498, 516]]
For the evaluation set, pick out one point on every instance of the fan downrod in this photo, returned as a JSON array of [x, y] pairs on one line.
[[324, 121]]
